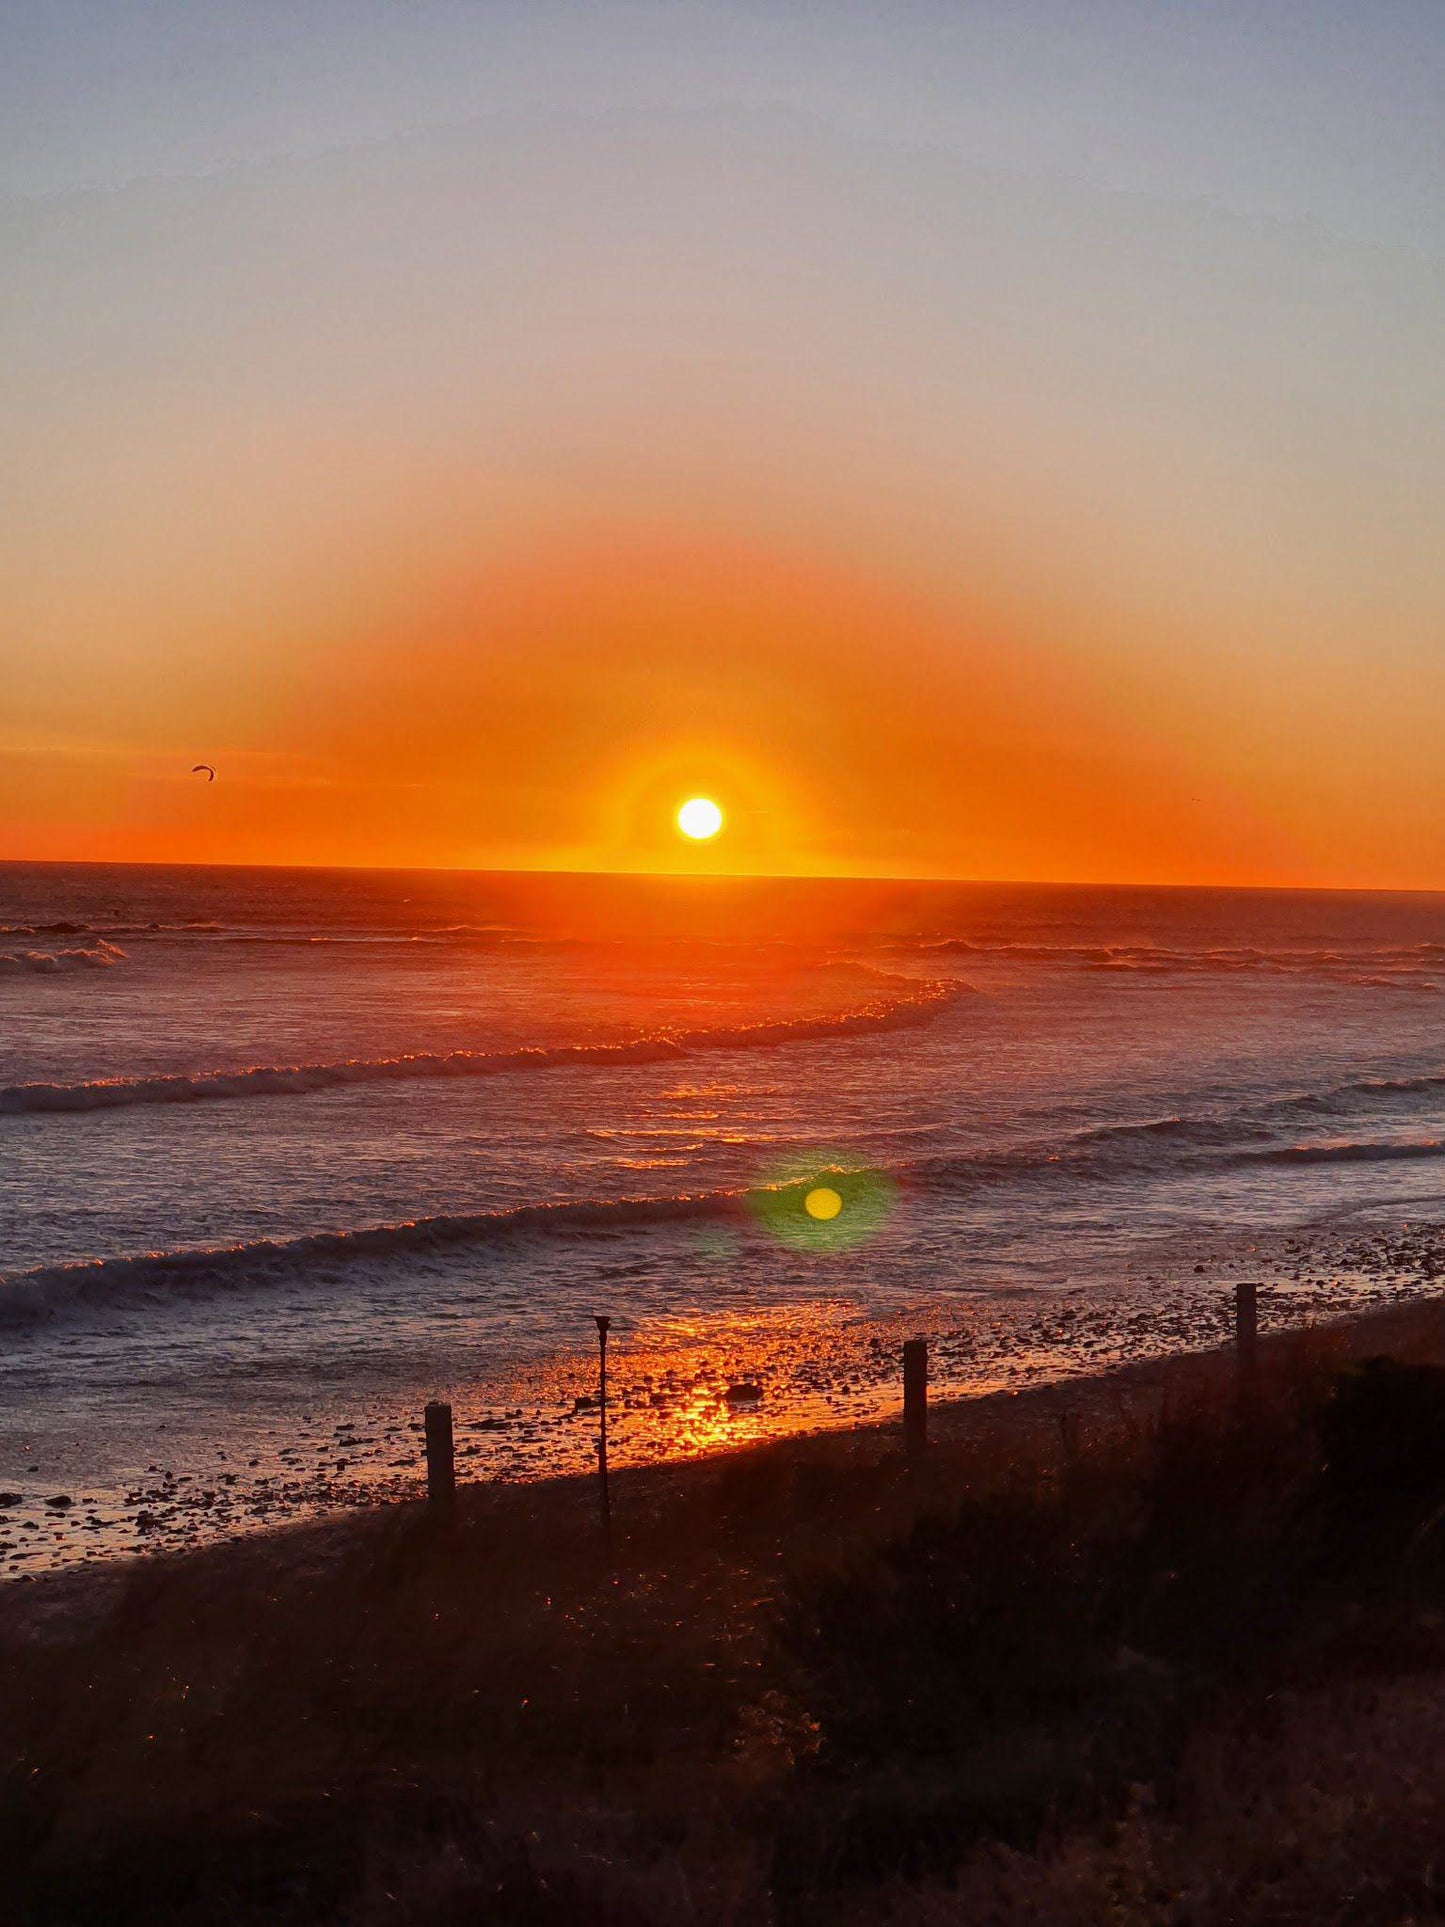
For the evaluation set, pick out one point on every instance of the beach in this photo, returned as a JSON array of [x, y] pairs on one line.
[[671, 1404], [377, 1716], [290, 1154], [722, 965]]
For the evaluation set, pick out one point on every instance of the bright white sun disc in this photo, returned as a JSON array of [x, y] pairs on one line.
[[699, 818]]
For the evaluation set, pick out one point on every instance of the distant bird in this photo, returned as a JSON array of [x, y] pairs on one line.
[[204, 768]]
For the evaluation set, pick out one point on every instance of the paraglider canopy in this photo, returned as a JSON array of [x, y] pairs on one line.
[[210, 774]]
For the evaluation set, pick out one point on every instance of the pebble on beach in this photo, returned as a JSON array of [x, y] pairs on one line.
[[815, 1373]]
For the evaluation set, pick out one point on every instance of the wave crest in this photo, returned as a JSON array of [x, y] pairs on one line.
[[919, 1005], [1351, 1151], [101, 955], [1384, 967], [54, 1292]]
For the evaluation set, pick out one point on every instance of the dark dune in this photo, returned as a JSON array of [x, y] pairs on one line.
[[1102, 1626]]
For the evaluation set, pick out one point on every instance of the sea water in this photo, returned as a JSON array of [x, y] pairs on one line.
[[284, 1154]]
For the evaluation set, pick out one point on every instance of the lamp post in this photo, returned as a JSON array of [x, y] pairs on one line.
[[604, 1325]]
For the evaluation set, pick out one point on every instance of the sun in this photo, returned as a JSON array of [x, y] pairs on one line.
[[699, 818]]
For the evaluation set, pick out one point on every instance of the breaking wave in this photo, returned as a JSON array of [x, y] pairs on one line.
[[1197, 1143], [65, 927], [57, 1291], [153, 1280], [1343, 1097], [1391, 967], [1203, 1131], [917, 1006], [101, 955], [1351, 1152]]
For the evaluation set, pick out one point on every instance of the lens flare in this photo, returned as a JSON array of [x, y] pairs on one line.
[[699, 818], [832, 1209]]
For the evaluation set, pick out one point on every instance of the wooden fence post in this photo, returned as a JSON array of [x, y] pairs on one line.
[[915, 1396], [441, 1464], [604, 1325], [1070, 1432], [1246, 1336]]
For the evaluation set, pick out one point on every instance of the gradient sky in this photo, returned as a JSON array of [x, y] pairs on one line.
[[971, 440]]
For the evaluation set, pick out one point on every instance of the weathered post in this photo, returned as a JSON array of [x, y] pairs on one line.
[[1246, 1337], [604, 1325], [441, 1464], [1070, 1431], [915, 1396]]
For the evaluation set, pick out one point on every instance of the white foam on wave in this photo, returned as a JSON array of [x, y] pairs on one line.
[[101, 955], [54, 1293], [918, 1004], [1351, 1151], [60, 1293], [1389, 967]]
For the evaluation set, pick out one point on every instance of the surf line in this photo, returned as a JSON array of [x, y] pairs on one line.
[[103, 1094]]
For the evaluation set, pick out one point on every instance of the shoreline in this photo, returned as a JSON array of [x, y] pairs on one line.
[[808, 1683], [823, 1365], [1019, 1423]]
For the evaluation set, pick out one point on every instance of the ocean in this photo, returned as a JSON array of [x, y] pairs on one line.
[[285, 1154]]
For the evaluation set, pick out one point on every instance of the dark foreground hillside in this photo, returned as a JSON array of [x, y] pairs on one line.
[[1116, 1653]]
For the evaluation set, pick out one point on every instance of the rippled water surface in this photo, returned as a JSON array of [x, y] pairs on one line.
[[283, 1154]]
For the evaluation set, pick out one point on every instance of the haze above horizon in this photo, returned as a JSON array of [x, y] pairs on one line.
[[996, 444]]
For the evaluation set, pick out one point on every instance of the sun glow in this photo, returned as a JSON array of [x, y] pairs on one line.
[[700, 818]]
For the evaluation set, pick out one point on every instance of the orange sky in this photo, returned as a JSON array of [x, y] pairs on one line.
[[471, 497], [552, 710]]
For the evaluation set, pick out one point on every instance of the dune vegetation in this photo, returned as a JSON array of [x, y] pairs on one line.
[[1120, 1651]]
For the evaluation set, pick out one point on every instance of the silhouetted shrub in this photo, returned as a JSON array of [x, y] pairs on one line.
[[1383, 1428]]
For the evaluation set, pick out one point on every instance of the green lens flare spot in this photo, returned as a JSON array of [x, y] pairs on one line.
[[833, 1209]]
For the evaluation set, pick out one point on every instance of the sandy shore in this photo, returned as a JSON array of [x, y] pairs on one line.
[[823, 1368], [301, 1725], [1010, 1425]]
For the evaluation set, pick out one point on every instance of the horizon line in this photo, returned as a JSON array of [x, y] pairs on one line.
[[728, 876]]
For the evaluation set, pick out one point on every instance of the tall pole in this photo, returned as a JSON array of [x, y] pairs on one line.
[[441, 1465], [604, 1325], [915, 1396], [1246, 1338]]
